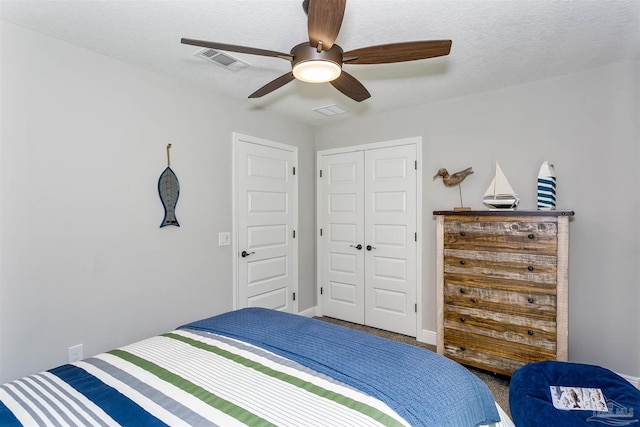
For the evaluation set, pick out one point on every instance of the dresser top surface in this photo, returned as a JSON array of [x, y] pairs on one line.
[[508, 213]]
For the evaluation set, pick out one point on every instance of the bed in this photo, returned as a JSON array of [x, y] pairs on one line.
[[255, 367]]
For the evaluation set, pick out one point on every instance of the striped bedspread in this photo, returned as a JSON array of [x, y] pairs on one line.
[[188, 378]]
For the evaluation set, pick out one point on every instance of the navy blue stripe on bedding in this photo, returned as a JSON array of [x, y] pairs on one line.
[[119, 407], [426, 389], [7, 419]]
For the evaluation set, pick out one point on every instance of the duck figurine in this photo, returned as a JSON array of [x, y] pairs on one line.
[[452, 180]]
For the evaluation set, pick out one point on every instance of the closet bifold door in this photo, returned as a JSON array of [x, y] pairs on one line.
[[341, 257], [390, 225]]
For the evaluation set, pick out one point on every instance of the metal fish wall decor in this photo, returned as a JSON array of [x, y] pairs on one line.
[[169, 190]]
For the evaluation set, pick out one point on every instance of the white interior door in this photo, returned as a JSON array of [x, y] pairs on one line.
[[342, 242], [390, 236], [265, 223]]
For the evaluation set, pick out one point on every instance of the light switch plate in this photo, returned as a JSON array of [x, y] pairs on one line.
[[224, 238]]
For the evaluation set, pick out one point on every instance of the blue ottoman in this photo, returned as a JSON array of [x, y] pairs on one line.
[[530, 397]]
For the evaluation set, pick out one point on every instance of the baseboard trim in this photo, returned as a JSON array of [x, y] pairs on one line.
[[310, 312], [427, 337]]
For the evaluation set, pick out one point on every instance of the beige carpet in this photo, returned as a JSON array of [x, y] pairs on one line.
[[498, 384]]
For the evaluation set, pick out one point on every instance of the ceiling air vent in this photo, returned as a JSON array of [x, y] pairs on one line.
[[330, 110], [222, 59]]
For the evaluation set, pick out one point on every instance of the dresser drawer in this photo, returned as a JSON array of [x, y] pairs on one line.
[[532, 304], [519, 236], [507, 265], [492, 354], [503, 326]]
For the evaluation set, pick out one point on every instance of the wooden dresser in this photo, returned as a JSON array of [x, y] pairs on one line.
[[502, 287]]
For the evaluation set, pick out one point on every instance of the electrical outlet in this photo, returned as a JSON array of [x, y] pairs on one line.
[[224, 238], [75, 353]]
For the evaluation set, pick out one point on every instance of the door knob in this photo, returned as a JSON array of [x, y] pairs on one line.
[[369, 247], [245, 254], [358, 247]]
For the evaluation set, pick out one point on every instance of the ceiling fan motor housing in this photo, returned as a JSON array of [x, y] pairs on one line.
[[305, 55]]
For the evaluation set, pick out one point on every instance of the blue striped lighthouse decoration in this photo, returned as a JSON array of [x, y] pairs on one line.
[[546, 187]]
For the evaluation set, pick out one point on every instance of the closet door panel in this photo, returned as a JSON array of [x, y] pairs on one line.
[[341, 263], [390, 226]]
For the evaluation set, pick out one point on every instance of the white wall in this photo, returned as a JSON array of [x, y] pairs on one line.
[[586, 124], [83, 259]]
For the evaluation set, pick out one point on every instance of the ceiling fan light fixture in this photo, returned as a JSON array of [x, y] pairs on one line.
[[317, 71]]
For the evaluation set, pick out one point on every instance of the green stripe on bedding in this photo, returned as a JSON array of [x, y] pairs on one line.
[[207, 397], [346, 401]]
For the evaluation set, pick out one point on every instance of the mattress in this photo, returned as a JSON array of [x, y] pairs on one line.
[[196, 377]]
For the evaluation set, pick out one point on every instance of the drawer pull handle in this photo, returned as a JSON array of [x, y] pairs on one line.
[[462, 262], [530, 332], [530, 268], [462, 348], [462, 319], [462, 233], [462, 291], [530, 300], [531, 236]]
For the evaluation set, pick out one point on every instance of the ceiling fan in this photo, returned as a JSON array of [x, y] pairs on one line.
[[320, 60]]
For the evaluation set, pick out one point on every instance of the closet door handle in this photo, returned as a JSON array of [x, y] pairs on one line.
[[358, 246], [245, 254], [369, 247]]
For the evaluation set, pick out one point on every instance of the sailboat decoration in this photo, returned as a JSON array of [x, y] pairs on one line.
[[500, 195]]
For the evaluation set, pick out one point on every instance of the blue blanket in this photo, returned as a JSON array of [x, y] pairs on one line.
[[423, 387]]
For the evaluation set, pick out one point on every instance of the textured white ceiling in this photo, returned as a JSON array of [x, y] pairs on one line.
[[496, 43]]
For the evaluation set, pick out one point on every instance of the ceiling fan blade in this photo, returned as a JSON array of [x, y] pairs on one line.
[[325, 19], [350, 86], [235, 48], [398, 52], [273, 85]]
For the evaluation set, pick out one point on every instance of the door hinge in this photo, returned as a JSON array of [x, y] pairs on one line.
[[320, 173], [294, 296], [294, 170], [321, 232], [415, 307], [294, 234], [321, 290], [415, 236], [415, 165]]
